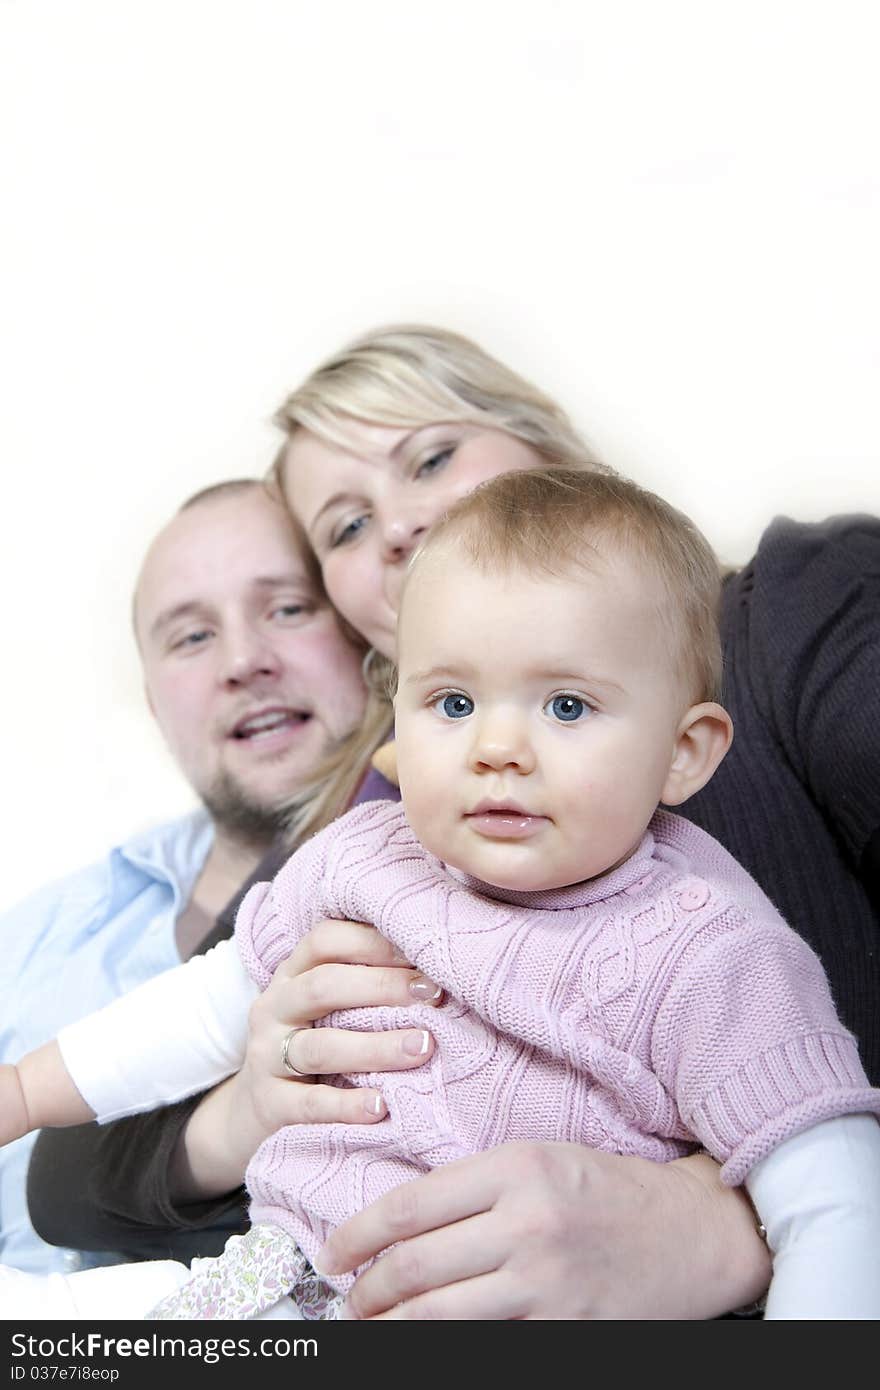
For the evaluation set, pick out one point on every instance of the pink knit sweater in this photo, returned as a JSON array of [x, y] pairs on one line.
[[661, 1007]]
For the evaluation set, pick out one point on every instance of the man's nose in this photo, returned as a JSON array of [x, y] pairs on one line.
[[501, 741], [248, 654]]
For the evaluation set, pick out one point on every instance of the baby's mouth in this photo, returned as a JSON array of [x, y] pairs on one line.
[[500, 821]]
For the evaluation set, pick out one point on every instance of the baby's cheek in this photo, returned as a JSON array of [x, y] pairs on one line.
[[427, 819], [588, 801], [602, 817]]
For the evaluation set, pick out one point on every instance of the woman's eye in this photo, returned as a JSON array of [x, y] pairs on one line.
[[568, 709], [435, 462], [288, 610], [454, 706], [347, 533]]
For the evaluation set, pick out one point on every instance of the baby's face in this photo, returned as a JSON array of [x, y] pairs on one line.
[[536, 718]]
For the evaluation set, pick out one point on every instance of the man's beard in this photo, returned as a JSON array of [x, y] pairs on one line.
[[242, 816]]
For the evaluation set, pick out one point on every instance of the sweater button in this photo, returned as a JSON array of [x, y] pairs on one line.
[[694, 896]]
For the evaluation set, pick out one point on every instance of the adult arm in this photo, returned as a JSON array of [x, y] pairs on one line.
[[105, 1187], [871, 870], [797, 800], [557, 1231], [172, 1036], [554, 1231], [168, 1182], [117, 1061], [819, 586]]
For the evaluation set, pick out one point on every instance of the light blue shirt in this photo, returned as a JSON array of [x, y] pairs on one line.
[[68, 950]]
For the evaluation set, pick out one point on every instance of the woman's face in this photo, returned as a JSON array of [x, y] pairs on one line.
[[366, 509]]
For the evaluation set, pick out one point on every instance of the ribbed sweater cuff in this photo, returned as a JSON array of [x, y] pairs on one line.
[[776, 1095]]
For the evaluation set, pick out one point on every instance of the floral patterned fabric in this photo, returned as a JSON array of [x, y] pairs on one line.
[[254, 1273]]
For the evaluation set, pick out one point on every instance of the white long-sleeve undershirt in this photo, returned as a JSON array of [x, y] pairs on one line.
[[177, 1034]]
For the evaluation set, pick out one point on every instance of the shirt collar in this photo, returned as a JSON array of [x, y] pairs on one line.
[[174, 852]]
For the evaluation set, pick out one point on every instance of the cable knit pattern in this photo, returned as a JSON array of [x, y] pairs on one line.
[[661, 1007]]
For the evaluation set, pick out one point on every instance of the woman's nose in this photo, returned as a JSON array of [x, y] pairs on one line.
[[401, 534]]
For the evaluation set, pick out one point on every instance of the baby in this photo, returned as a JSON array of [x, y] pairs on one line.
[[612, 976]]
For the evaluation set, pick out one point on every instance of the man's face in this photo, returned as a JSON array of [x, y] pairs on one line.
[[536, 718], [246, 669]]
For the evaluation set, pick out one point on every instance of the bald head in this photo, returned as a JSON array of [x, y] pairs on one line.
[[232, 487]]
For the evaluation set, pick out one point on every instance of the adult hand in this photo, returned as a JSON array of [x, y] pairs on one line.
[[339, 965], [554, 1231]]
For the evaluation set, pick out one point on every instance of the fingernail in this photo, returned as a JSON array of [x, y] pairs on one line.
[[424, 989], [399, 956], [374, 1104], [416, 1044]]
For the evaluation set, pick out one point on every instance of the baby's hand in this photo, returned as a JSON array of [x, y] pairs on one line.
[[14, 1120], [39, 1092]]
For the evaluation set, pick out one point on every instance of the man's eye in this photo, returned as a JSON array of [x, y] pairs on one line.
[[454, 706], [568, 709], [435, 462], [190, 640], [347, 533]]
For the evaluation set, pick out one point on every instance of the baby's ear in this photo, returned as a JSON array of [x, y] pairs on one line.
[[704, 736]]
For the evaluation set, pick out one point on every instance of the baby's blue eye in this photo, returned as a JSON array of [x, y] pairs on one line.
[[567, 708], [455, 706]]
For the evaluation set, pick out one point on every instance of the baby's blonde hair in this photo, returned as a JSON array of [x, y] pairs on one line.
[[557, 521]]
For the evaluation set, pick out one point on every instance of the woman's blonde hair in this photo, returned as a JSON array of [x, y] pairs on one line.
[[413, 375], [408, 376]]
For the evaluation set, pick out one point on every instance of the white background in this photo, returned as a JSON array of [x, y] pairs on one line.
[[666, 213]]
